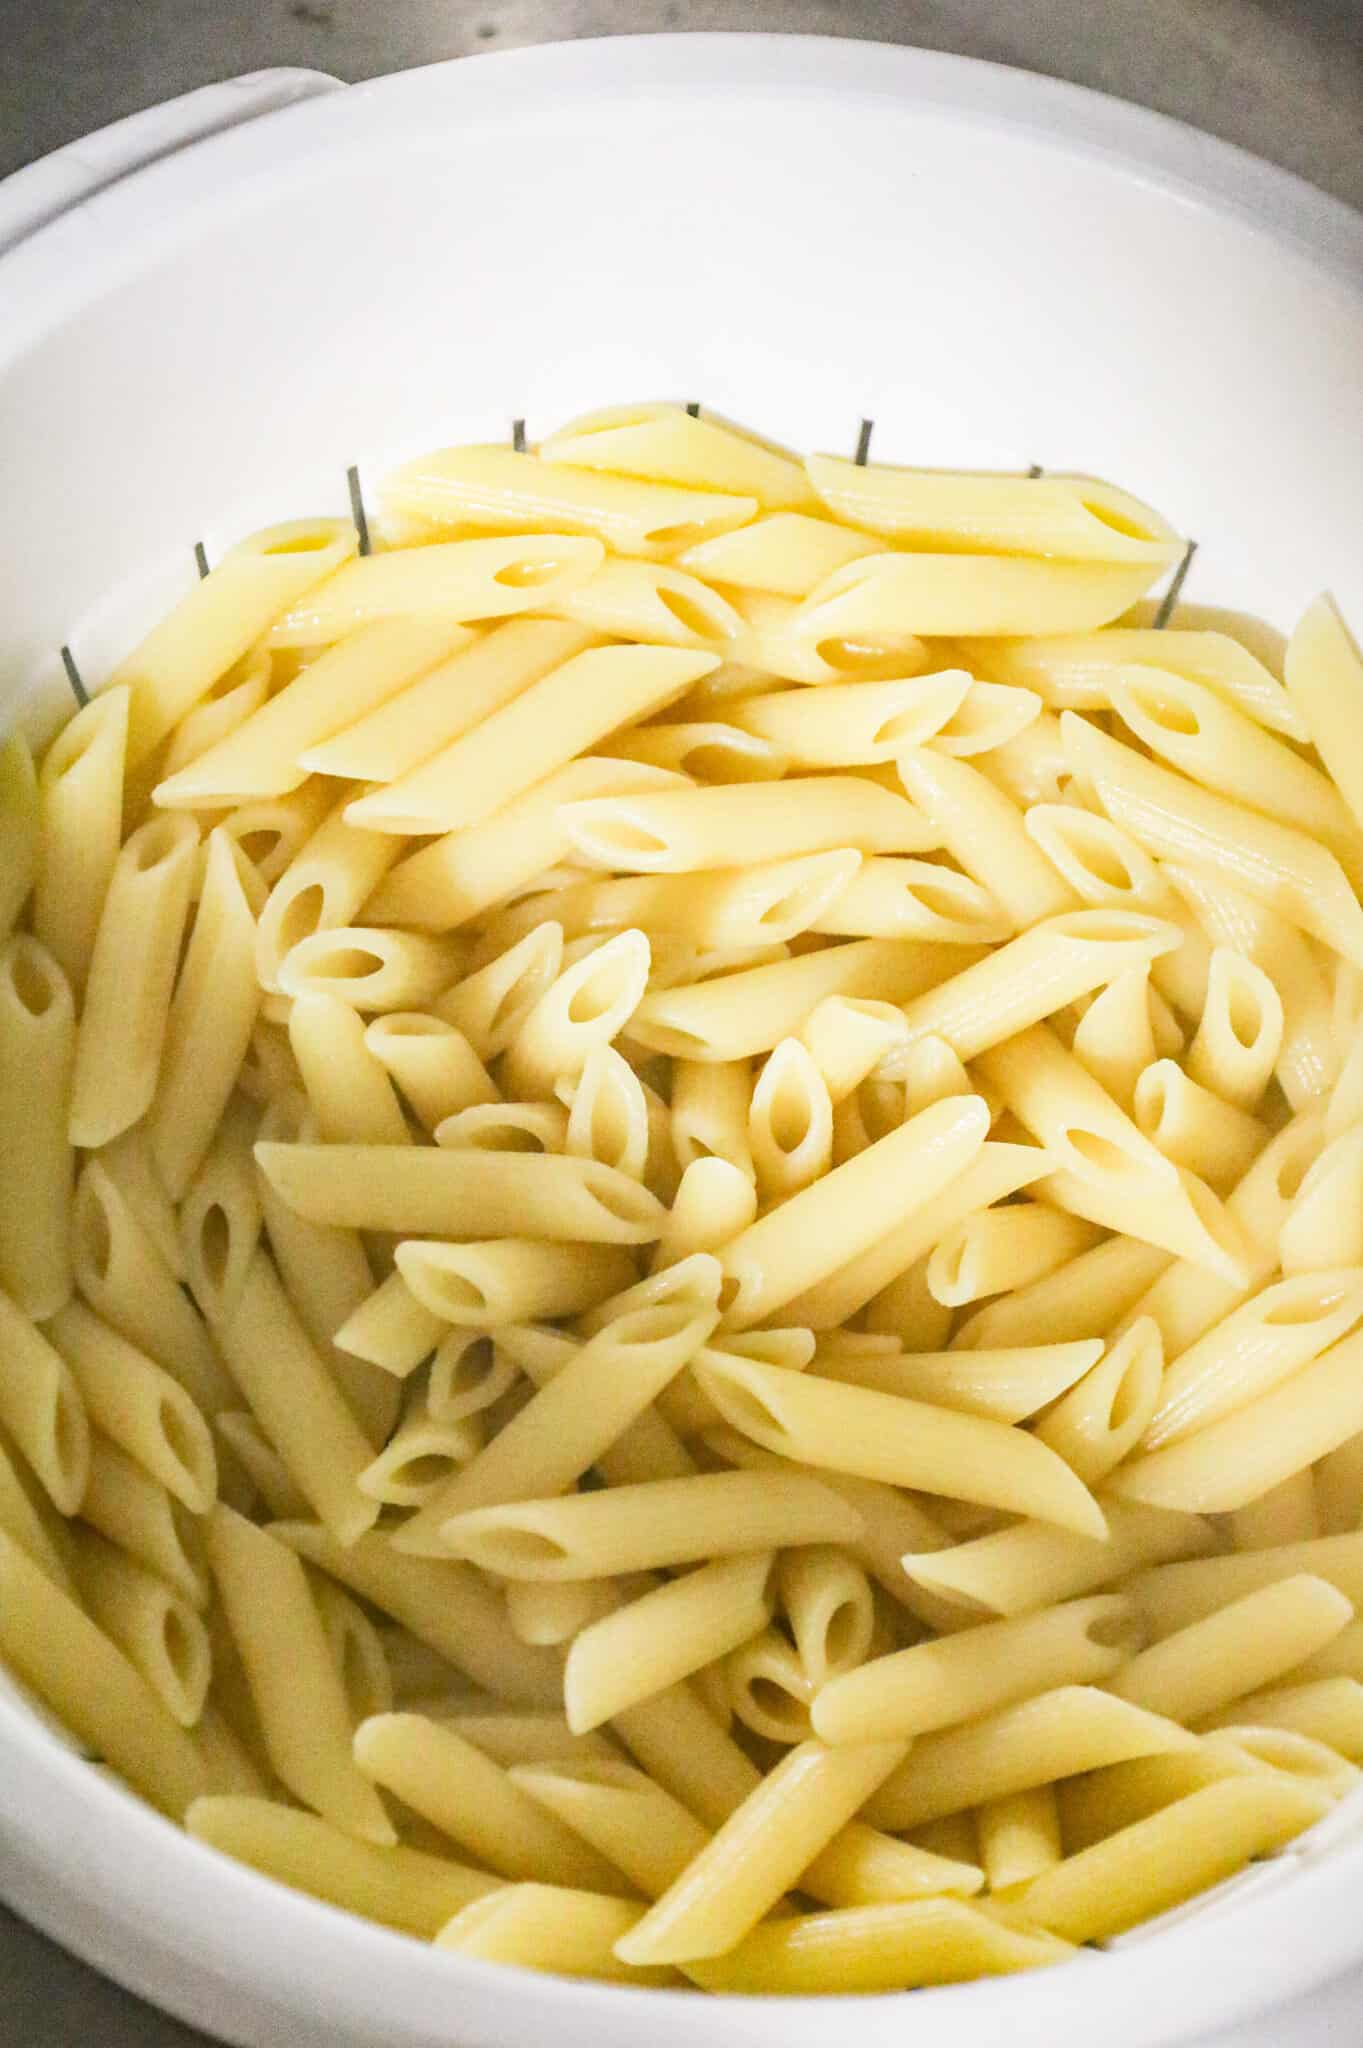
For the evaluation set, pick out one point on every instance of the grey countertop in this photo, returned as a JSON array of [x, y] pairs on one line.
[[1283, 78]]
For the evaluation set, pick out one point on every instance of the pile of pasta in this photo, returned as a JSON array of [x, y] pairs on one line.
[[681, 1216]]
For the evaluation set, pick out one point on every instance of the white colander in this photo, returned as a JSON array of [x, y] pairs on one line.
[[801, 234]]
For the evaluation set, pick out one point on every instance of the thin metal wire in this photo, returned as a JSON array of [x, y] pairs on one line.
[[200, 559], [518, 436], [357, 511], [864, 441], [78, 689], [1169, 601]]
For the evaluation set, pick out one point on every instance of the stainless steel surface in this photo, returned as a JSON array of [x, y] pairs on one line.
[[1283, 78]]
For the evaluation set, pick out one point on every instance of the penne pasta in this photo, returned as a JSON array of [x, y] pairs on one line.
[[37, 1049], [20, 830], [80, 816], [399, 1887]]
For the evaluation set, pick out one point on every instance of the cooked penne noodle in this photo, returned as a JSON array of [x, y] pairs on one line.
[[78, 1671], [507, 1127], [555, 1614], [220, 1217], [399, 1887], [269, 1476], [1076, 518], [1259, 1637], [646, 1646], [671, 831], [658, 1522], [443, 1604], [960, 1677], [123, 1502], [263, 757], [536, 732], [1196, 1127], [322, 889], [768, 1689], [829, 1605], [132, 968], [1185, 1848], [42, 1408], [30, 1521], [651, 605], [1095, 1291], [1242, 1455], [893, 594], [983, 830], [759, 1851], [1183, 1217], [301, 1703], [416, 1189], [1032, 1565], [1077, 672], [1088, 1135], [494, 487], [327, 1278], [1260, 1344], [1019, 1837], [786, 553], [1240, 1035], [1173, 818], [391, 1329], [669, 444], [914, 899], [490, 1006], [80, 813], [610, 1117], [598, 1393], [854, 724], [789, 641], [1032, 977], [1324, 677], [37, 1050], [1192, 728], [567, 1932], [1002, 1248], [901, 1442], [1114, 1040], [790, 1122], [422, 1453], [830, 1223], [1329, 1712], [20, 830], [1324, 1225], [473, 1801], [481, 1285], [138, 1406], [587, 1006], [621, 1813], [296, 1401], [994, 1172], [467, 872], [183, 657], [1101, 1418], [156, 1629], [881, 1947], [431, 1062], [1005, 1385], [369, 968], [451, 580]]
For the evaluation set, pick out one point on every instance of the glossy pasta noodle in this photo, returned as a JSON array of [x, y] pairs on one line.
[[681, 1271]]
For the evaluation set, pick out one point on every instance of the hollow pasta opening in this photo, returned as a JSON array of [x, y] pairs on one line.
[[215, 1243], [1104, 1155], [1312, 1302], [843, 1635], [1124, 1632], [691, 614], [300, 917], [93, 1228], [32, 978], [506, 1547], [529, 572], [422, 1470], [157, 843], [1169, 714], [180, 1440]]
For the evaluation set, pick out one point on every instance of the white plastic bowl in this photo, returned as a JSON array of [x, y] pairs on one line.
[[994, 268]]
